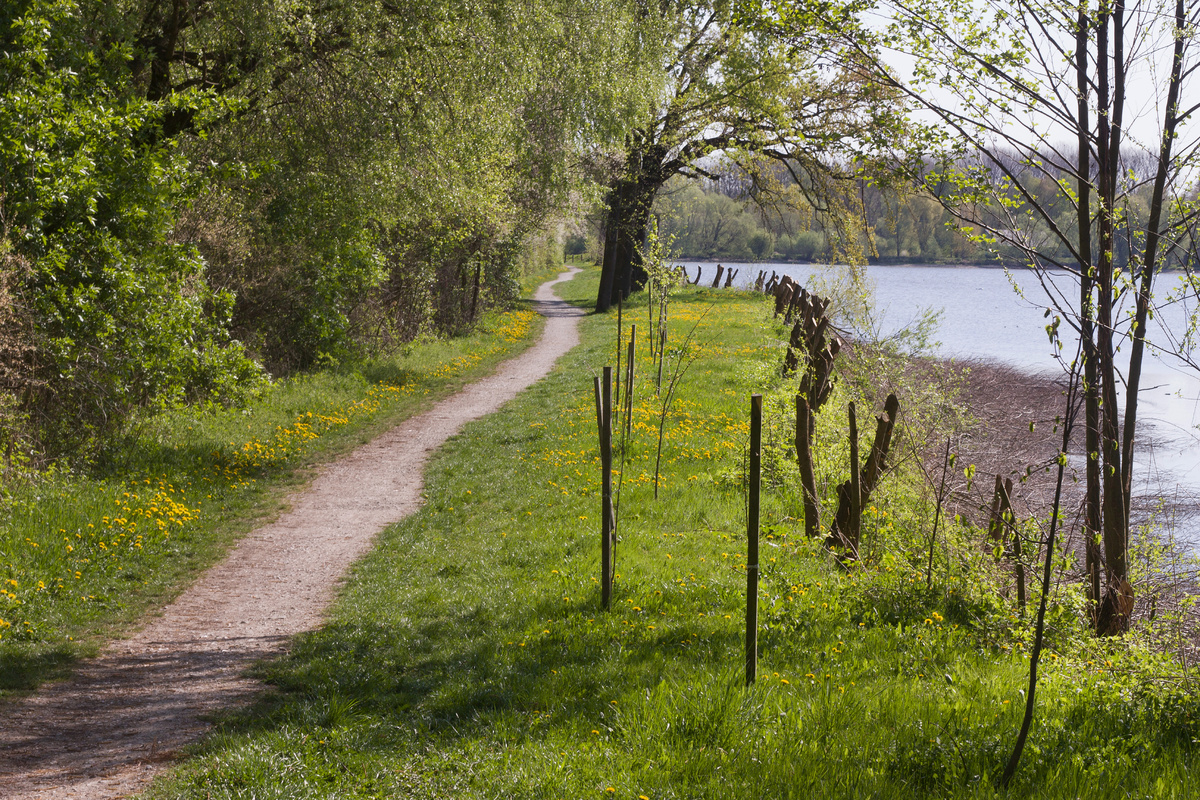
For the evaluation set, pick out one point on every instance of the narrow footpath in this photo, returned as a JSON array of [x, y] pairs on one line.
[[106, 732]]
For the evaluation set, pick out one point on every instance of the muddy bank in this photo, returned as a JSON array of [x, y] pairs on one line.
[[1013, 429]]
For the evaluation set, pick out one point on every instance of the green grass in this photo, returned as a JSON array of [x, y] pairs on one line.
[[82, 555], [468, 655]]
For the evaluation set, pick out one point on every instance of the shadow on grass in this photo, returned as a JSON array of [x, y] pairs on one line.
[[25, 670], [456, 678]]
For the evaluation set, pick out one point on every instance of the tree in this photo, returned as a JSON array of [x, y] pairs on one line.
[[114, 314], [386, 164], [733, 86], [1041, 142], [180, 177]]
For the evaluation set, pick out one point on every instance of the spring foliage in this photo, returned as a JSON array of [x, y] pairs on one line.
[[194, 191]]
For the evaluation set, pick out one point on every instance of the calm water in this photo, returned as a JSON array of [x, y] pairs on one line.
[[984, 316]]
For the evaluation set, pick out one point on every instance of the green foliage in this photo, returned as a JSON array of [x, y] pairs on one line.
[[188, 186], [718, 220], [121, 318]]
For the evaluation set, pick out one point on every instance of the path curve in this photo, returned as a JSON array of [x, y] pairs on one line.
[[125, 714]]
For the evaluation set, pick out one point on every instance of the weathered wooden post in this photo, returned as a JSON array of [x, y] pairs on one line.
[[752, 539], [846, 530], [1001, 527], [717, 280], [604, 424], [808, 480]]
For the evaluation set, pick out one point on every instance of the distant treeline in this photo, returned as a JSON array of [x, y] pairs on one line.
[[721, 220]]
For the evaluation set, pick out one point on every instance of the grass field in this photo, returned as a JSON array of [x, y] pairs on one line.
[[468, 655], [84, 553]]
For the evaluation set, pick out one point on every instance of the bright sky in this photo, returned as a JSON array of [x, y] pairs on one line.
[[1148, 54]]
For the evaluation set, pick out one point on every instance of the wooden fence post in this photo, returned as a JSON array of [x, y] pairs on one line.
[[808, 480], [1002, 525], [717, 280], [752, 539], [604, 424]]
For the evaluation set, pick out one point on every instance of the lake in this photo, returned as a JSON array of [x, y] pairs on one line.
[[983, 315]]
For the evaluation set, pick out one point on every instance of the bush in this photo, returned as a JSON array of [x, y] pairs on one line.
[[119, 317], [762, 244]]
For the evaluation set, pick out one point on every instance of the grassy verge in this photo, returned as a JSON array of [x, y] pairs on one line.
[[83, 555], [468, 656]]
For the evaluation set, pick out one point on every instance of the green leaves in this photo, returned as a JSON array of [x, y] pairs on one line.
[[120, 313]]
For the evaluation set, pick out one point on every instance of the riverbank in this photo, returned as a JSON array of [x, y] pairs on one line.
[[1012, 428]]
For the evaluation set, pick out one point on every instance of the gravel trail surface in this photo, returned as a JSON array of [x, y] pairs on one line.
[[125, 715]]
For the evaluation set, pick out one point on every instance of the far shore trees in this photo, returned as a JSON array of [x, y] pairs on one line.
[[1099, 98]]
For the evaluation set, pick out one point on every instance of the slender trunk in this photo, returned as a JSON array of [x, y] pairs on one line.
[[1150, 257], [475, 292], [1112, 615], [1091, 395], [1035, 655], [855, 529], [937, 517]]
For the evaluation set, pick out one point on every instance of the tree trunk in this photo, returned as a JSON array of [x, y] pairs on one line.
[[1154, 234], [608, 269], [626, 223], [1091, 390]]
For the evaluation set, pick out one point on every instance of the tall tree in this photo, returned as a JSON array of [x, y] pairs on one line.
[[182, 181], [733, 87], [1079, 94]]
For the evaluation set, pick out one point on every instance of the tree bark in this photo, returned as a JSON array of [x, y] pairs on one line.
[[808, 480]]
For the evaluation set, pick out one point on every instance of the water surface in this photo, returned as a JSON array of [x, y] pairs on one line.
[[1000, 316]]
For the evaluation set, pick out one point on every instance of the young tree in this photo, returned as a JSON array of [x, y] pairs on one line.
[[1088, 98]]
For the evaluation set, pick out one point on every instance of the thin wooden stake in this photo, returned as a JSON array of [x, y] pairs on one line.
[[752, 539], [629, 376], [620, 347], [808, 480], [937, 516], [855, 526], [604, 421]]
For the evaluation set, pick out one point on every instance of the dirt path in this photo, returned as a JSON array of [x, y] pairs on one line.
[[123, 717]]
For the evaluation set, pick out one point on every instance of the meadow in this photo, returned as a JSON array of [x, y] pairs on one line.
[[86, 551], [468, 655]]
